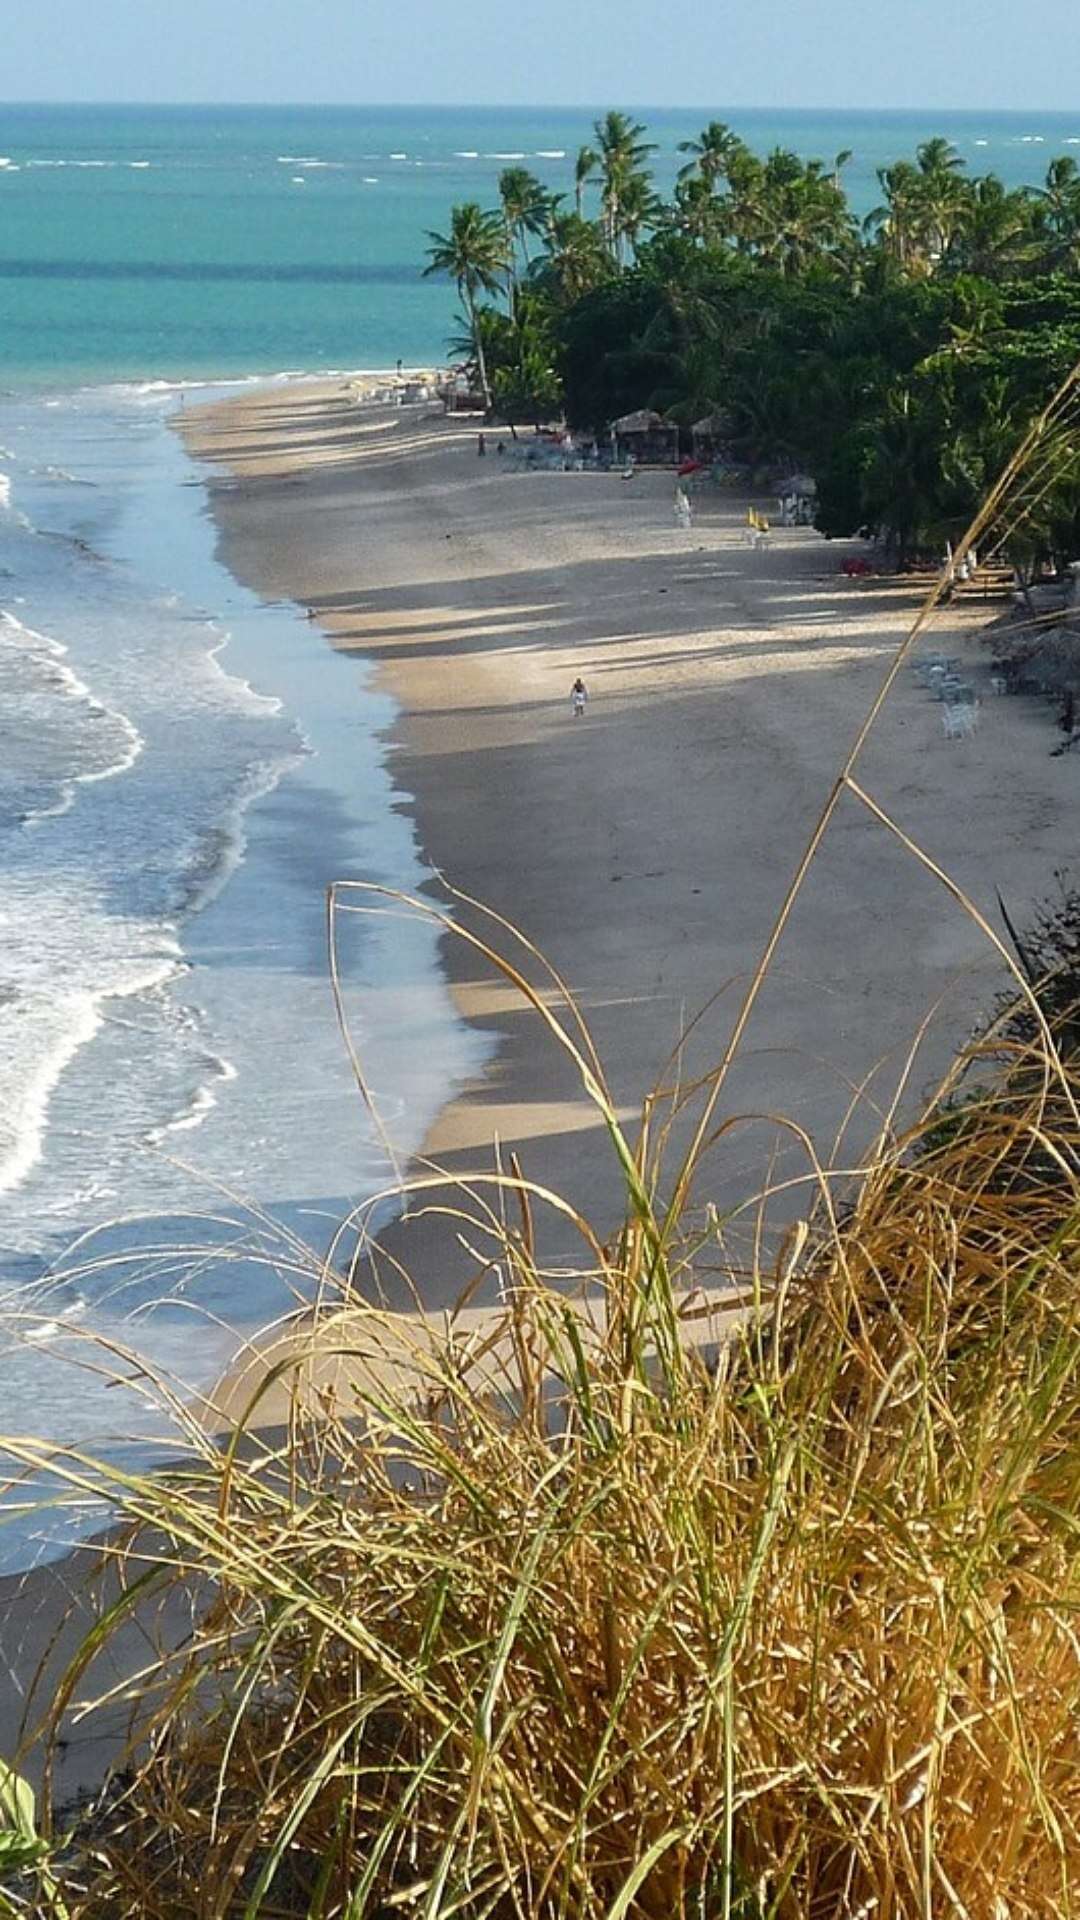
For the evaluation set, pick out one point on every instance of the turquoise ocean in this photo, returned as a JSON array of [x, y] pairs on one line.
[[183, 767], [141, 243]]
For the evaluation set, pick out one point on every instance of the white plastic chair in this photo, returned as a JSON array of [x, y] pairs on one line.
[[960, 720]]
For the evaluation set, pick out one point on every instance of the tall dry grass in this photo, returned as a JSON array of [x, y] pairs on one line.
[[575, 1615], [589, 1622]]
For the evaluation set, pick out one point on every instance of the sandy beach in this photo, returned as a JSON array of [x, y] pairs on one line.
[[646, 847]]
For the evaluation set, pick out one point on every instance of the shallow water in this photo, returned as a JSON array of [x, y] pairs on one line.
[[185, 769]]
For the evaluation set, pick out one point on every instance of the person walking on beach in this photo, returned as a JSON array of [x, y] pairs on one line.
[[578, 697], [481, 446]]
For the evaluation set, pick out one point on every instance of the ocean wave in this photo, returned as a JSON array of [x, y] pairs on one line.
[[399, 156], [5, 491], [45, 680], [265, 704], [214, 856], [163, 393], [551, 153], [62, 476], [467, 153], [44, 1330], [505, 156], [201, 1102], [67, 966], [371, 179]]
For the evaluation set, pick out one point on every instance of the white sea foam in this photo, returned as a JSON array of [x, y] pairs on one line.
[[66, 957], [551, 153], [504, 156], [140, 166], [202, 1102], [61, 475], [44, 1330], [47, 680], [399, 156], [466, 153], [371, 179], [5, 490]]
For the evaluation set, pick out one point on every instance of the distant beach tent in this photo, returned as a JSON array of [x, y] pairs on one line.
[[646, 437]]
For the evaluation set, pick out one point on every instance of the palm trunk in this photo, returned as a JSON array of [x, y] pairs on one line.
[[511, 276], [481, 359]]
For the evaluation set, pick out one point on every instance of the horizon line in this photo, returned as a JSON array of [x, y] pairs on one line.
[[539, 106]]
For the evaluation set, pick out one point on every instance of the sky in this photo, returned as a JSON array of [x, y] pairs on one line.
[[716, 53]]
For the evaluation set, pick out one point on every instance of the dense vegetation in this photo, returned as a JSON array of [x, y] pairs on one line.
[[897, 360]]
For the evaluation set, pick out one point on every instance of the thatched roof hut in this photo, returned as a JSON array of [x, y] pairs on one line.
[[646, 437], [710, 436]]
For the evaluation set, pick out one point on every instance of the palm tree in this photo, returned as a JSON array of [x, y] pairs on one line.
[[941, 193], [526, 209], [994, 236], [741, 206], [474, 254], [638, 208], [621, 154], [696, 211], [577, 260], [526, 206], [584, 172], [838, 165], [798, 215], [1057, 212], [896, 221], [711, 153]]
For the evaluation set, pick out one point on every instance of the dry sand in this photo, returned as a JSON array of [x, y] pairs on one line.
[[645, 848]]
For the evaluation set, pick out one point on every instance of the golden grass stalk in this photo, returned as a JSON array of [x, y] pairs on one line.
[[786, 1630]]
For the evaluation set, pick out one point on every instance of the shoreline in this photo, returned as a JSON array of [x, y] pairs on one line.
[[647, 848], [476, 593]]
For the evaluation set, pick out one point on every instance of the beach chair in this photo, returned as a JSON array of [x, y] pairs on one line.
[[960, 719]]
